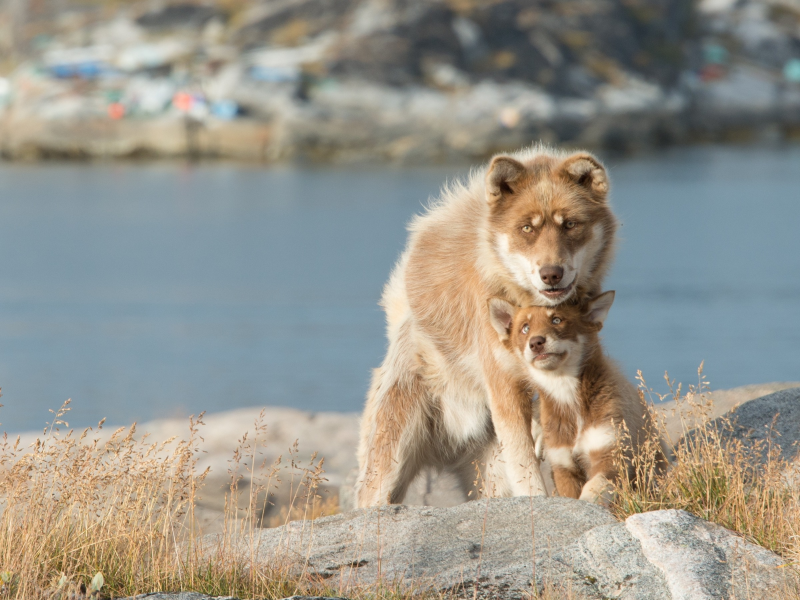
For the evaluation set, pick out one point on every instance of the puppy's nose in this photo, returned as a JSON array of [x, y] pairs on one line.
[[537, 344], [551, 275]]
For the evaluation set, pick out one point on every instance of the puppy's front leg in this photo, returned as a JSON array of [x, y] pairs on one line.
[[602, 472]]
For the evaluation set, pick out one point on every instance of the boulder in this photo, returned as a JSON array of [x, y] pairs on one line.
[[513, 547], [722, 401], [701, 560], [775, 417]]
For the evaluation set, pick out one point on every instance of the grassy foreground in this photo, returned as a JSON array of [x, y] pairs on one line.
[[88, 514]]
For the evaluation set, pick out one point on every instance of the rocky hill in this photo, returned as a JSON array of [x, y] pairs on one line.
[[400, 80]]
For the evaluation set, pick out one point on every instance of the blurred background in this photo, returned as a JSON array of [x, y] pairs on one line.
[[200, 201]]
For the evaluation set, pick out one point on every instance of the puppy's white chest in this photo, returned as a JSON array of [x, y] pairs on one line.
[[561, 388]]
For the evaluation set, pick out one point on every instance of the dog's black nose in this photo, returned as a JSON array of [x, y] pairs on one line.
[[551, 275], [537, 344]]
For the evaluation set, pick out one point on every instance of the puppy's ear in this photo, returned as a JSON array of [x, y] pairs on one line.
[[501, 315], [585, 170], [597, 310], [502, 178]]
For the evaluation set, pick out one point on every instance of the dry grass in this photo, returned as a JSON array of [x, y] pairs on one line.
[[74, 506], [751, 489], [78, 504]]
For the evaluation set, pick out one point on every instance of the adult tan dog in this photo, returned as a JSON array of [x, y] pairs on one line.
[[533, 228]]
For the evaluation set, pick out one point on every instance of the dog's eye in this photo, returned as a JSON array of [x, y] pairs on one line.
[[527, 228], [570, 224], [525, 328], [556, 321]]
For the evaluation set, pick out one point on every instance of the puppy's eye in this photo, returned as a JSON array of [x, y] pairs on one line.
[[525, 328], [527, 228], [570, 224], [556, 321]]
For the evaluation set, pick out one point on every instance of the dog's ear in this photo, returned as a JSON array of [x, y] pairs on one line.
[[585, 170], [501, 315], [597, 309], [502, 178]]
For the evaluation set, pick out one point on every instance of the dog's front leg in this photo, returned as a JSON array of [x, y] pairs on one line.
[[512, 415]]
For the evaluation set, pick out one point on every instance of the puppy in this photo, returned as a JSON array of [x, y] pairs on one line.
[[584, 398]]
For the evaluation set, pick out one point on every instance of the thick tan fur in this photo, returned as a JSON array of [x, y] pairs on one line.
[[446, 394], [588, 408]]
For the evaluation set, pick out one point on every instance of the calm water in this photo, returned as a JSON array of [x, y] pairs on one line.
[[151, 291]]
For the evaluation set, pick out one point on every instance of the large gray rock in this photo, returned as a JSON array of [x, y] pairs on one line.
[[611, 559], [775, 418], [493, 544], [508, 548], [701, 560], [722, 401]]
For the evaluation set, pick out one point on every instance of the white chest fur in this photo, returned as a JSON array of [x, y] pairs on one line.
[[560, 387]]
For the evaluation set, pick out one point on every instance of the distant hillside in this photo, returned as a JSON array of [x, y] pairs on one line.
[[403, 80]]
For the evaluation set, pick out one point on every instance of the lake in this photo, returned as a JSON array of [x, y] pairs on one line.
[[158, 290]]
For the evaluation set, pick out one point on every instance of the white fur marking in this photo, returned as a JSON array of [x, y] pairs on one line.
[[536, 220], [578, 266], [596, 438], [560, 457], [559, 219], [538, 438], [465, 415], [563, 388], [519, 266]]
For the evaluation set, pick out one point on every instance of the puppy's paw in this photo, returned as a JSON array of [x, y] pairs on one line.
[[598, 490]]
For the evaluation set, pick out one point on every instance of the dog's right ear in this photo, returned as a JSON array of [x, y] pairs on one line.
[[502, 178], [597, 310], [501, 315]]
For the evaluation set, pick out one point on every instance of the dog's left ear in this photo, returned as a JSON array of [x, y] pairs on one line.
[[585, 170], [597, 310]]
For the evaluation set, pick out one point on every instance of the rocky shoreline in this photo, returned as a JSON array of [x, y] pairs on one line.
[[363, 122], [402, 81]]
